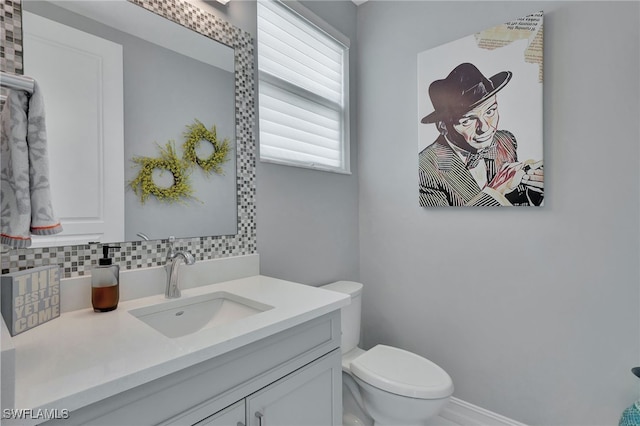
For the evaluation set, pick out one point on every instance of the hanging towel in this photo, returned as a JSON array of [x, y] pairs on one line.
[[25, 191]]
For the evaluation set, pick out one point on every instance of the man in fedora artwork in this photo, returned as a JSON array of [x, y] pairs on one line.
[[472, 163]]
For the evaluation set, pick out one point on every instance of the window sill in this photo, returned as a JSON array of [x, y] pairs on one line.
[[306, 166]]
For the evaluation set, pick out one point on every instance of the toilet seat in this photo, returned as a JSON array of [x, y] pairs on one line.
[[402, 373]]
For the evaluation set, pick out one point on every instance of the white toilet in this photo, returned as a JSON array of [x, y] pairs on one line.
[[385, 386]]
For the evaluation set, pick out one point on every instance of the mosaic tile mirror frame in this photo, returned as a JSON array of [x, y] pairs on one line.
[[78, 260]]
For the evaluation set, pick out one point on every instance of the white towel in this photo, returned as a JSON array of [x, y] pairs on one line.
[[26, 194]]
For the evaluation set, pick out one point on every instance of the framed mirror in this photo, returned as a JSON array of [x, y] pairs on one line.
[[120, 83], [77, 257]]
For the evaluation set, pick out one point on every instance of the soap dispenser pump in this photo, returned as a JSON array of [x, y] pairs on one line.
[[105, 283]]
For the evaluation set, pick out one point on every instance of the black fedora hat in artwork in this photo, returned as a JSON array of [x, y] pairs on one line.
[[464, 88]]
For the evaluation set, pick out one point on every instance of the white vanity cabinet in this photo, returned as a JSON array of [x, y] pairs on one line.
[[305, 397], [292, 377]]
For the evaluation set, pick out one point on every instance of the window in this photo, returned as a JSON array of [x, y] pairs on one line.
[[303, 89]]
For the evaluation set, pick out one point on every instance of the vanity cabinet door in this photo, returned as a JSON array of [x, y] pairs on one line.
[[230, 416], [310, 396]]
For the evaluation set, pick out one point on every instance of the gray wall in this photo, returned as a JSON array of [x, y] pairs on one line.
[[539, 322], [307, 219], [533, 312], [154, 117]]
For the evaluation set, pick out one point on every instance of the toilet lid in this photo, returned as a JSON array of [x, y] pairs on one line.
[[403, 373]]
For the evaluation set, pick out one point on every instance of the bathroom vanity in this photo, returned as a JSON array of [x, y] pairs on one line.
[[277, 363]]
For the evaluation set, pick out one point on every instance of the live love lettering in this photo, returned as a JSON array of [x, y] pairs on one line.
[[38, 299]]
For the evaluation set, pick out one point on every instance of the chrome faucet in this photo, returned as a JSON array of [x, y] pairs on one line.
[[174, 257]]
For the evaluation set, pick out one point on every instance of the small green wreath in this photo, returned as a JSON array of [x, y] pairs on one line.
[[144, 186], [194, 135]]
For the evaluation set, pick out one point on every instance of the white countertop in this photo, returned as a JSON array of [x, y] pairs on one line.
[[83, 356]]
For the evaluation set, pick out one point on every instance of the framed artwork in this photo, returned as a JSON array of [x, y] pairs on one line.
[[480, 118]]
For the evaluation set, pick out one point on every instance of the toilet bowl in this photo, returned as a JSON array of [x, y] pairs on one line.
[[385, 386]]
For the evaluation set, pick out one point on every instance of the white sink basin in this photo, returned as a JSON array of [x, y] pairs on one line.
[[191, 314]]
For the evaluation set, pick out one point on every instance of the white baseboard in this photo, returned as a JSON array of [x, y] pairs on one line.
[[466, 414]]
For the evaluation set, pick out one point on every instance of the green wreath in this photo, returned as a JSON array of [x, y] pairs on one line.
[[194, 135], [144, 186]]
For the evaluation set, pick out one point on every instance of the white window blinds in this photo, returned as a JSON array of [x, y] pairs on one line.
[[303, 91]]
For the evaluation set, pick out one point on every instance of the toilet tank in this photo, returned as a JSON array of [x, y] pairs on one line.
[[350, 321]]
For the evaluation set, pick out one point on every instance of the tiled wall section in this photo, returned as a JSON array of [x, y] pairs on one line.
[[11, 47], [78, 260]]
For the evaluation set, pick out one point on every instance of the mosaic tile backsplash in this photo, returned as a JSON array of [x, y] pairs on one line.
[[78, 260]]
